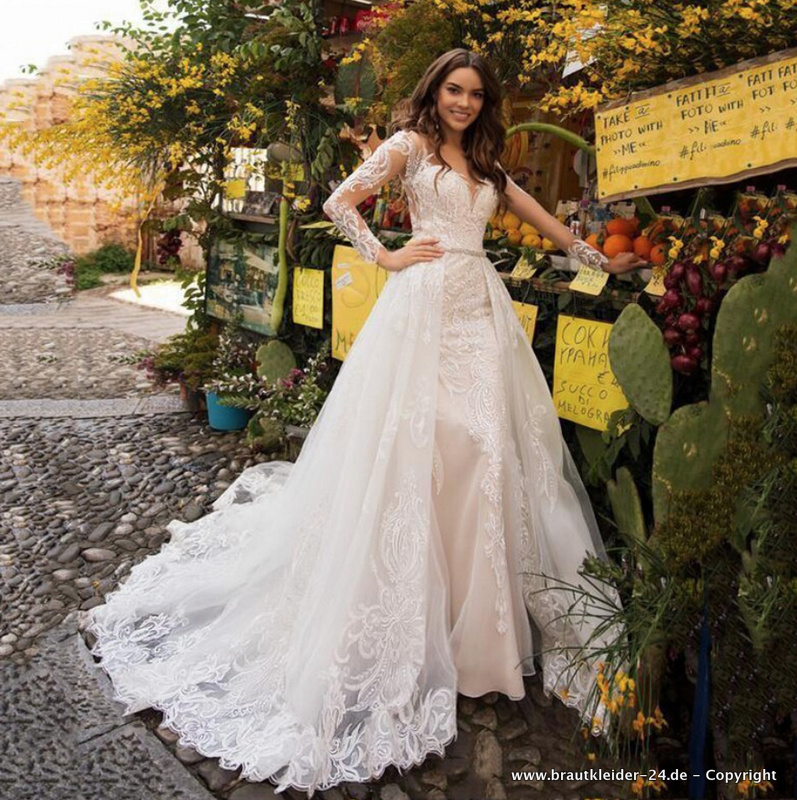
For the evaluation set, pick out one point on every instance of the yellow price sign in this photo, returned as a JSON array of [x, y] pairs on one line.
[[527, 314], [589, 280], [585, 389], [522, 271], [356, 285], [308, 297], [655, 285]]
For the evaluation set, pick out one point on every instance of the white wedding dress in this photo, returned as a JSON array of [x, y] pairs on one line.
[[316, 626]]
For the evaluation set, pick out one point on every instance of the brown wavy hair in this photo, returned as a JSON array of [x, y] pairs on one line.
[[483, 141]]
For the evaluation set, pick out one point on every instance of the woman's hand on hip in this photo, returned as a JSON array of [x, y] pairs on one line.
[[412, 253]]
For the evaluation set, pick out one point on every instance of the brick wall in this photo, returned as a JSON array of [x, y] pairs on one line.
[[80, 213]]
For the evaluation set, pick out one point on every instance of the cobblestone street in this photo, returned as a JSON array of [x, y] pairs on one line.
[[93, 465]]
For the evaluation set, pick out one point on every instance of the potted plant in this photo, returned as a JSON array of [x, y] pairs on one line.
[[186, 358], [232, 370]]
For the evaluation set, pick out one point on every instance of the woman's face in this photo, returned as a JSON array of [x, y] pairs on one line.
[[459, 100]]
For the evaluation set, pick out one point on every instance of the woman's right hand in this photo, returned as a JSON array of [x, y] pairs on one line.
[[411, 253]]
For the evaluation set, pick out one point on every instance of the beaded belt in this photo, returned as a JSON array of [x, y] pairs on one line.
[[465, 250]]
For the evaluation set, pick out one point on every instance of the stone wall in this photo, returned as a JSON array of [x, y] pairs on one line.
[[82, 214]]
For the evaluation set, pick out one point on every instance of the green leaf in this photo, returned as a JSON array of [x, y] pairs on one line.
[[320, 224]]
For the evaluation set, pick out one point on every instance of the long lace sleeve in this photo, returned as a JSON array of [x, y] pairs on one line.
[[387, 161], [587, 254]]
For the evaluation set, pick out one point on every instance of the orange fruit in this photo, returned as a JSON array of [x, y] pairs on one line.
[[547, 244], [532, 240], [594, 240], [623, 227], [514, 236], [510, 221], [658, 255], [642, 247], [618, 243]]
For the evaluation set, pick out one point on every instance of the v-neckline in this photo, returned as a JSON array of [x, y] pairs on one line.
[[473, 194]]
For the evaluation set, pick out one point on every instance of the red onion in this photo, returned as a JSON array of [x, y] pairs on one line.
[[692, 338], [694, 281], [719, 272], [762, 253], [704, 305], [683, 364], [677, 271], [672, 299], [688, 321]]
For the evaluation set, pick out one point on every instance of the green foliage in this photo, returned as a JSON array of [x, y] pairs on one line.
[[298, 398], [227, 74], [295, 398], [356, 80], [409, 43], [753, 579], [702, 520], [641, 362], [265, 434], [188, 355], [234, 358], [106, 260]]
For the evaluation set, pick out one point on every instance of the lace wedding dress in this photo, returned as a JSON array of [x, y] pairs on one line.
[[316, 626]]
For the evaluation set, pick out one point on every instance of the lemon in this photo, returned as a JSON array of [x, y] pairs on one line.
[[526, 228], [531, 240], [547, 244], [514, 236]]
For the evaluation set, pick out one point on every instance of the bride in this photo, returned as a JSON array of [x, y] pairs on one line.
[[316, 626]]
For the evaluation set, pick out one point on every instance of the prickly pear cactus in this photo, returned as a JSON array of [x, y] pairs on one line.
[[274, 360], [641, 363], [744, 338], [689, 443], [627, 507]]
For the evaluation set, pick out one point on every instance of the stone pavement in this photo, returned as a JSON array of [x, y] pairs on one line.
[[64, 738], [93, 465]]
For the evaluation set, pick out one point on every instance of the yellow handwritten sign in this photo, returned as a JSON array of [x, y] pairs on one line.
[[584, 387], [308, 297], [522, 271], [356, 284], [655, 285], [527, 314], [589, 280], [711, 128]]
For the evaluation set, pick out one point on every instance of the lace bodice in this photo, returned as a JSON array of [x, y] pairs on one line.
[[453, 210], [443, 203]]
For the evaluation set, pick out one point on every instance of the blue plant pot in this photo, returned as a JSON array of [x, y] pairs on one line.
[[224, 418]]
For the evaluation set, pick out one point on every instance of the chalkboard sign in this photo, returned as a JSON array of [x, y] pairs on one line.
[[716, 127]]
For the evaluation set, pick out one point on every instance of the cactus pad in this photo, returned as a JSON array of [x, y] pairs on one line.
[[641, 363], [744, 336], [627, 507], [274, 360]]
